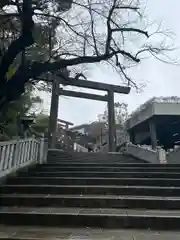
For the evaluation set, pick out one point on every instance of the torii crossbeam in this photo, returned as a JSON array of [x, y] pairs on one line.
[[109, 97]]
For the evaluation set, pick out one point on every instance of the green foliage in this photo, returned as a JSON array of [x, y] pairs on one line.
[[44, 34], [41, 124], [10, 118]]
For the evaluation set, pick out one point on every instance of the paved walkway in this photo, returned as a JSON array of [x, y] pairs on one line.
[[83, 234]]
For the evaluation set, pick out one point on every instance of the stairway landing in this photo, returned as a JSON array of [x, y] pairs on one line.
[[27, 233]]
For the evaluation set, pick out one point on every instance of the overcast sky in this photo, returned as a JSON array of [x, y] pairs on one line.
[[161, 79]]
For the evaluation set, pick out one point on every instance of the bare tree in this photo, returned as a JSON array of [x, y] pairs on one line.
[[87, 31]]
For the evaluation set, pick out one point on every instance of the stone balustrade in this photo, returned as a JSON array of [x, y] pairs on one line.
[[79, 148], [20, 153], [173, 156], [145, 153]]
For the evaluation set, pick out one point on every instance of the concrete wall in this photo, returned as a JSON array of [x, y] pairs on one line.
[[142, 116], [167, 109], [142, 153], [79, 148], [139, 137], [174, 156], [154, 108], [145, 153], [104, 149]]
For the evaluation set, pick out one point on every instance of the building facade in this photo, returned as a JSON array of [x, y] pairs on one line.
[[156, 123]]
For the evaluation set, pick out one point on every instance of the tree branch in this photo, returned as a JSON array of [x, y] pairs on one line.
[[131, 30], [13, 88], [85, 45], [37, 69], [17, 46], [14, 49], [109, 30], [128, 7], [92, 29]]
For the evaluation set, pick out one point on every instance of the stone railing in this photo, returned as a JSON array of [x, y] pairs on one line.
[[173, 157], [145, 153], [17, 154], [79, 148], [45, 149], [104, 149]]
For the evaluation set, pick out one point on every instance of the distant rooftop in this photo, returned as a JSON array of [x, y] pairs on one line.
[[172, 99], [65, 122], [84, 125]]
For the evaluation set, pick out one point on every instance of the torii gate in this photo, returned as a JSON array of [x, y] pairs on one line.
[[64, 123], [109, 98]]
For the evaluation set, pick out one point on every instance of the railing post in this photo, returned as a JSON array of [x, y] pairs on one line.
[[20, 153], [32, 148], [75, 147], [16, 153], [111, 122], [41, 151], [161, 155]]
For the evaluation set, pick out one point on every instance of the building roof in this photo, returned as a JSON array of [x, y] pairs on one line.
[[156, 106], [171, 99], [84, 125], [65, 122]]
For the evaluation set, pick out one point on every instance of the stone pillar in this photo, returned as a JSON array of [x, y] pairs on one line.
[[53, 115], [161, 155], [152, 129], [111, 122], [41, 151]]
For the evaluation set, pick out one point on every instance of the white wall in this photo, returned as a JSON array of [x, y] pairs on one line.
[[174, 156], [141, 116], [154, 109]]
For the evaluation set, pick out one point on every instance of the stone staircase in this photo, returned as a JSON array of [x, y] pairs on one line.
[[82, 190]]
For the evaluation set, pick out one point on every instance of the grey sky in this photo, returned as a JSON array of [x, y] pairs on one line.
[[162, 79]]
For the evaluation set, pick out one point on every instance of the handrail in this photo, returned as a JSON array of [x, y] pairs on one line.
[[16, 154], [79, 148], [145, 153], [173, 155]]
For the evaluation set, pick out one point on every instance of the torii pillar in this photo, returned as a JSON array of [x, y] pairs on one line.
[[153, 136], [111, 122], [53, 115]]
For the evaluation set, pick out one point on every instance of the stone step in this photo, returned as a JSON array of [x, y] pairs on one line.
[[106, 163], [95, 181], [104, 174], [88, 161], [92, 190], [100, 218], [52, 233], [162, 168], [90, 157], [102, 164], [79, 154], [120, 158], [91, 201]]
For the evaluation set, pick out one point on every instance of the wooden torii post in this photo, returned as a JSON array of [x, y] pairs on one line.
[[109, 98]]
